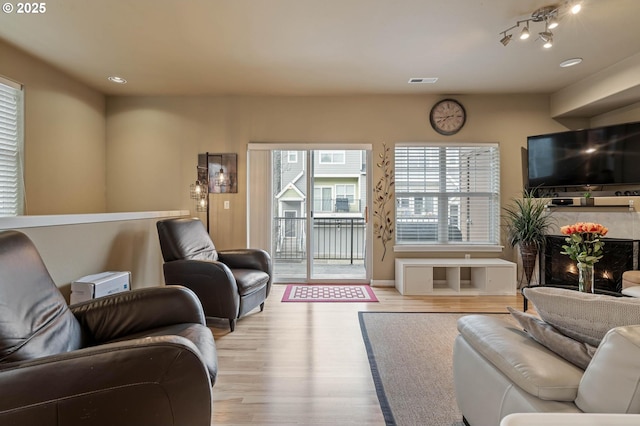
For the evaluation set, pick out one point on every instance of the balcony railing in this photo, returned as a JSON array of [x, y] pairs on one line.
[[337, 205], [333, 238]]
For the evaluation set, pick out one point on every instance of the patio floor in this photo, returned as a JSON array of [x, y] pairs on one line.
[[323, 270]]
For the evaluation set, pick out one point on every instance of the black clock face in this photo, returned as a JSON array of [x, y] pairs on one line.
[[447, 117]]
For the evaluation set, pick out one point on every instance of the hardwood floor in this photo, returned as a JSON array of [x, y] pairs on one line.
[[305, 363]]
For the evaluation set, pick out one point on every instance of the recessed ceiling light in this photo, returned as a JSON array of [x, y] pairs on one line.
[[570, 62], [116, 79], [423, 80]]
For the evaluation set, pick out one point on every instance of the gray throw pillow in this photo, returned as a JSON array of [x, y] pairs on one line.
[[577, 353], [584, 317]]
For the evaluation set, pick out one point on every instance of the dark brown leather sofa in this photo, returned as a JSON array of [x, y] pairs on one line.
[[229, 283], [143, 357]]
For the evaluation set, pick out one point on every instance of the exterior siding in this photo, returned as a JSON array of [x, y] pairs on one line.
[[290, 170]]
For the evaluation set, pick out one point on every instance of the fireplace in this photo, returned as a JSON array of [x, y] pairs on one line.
[[558, 269]]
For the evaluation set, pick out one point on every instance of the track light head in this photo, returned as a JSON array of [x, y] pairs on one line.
[[576, 7], [525, 33], [546, 36], [506, 39]]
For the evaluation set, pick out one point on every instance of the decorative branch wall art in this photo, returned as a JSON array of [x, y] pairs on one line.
[[383, 200]]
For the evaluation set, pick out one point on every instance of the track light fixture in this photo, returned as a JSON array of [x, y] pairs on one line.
[[549, 15]]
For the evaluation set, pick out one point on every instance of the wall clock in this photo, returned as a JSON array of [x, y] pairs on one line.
[[447, 117]]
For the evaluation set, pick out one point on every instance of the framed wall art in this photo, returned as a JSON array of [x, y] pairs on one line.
[[223, 173]]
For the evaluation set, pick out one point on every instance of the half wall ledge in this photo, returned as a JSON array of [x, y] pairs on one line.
[[20, 222]]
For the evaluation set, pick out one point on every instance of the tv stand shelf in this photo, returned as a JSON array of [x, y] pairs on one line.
[[626, 203], [460, 277]]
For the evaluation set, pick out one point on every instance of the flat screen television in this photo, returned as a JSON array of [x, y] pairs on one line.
[[590, 157]]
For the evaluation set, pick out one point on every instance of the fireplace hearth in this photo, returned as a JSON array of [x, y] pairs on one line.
[[558, 269]]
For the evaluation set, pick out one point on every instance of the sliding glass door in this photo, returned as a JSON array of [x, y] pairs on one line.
[[289, 245], [318, 216], [338, 182]]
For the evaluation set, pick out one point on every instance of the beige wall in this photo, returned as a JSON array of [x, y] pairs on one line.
[[65, 167], [76, 250], [153, 142], [87, 154], [628, 114]]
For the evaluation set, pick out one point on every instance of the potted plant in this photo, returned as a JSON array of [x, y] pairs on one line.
[[527, 223]]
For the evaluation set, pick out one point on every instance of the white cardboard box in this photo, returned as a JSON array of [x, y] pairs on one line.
[[99, 285]]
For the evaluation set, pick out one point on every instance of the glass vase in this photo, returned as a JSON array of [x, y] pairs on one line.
[[585, 278]]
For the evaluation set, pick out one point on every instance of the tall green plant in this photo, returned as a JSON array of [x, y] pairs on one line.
[[527, 220]]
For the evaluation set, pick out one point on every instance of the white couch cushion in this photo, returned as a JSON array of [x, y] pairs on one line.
[[575, 352], [584, 317], [529, 365], [611, 383], [633, 291]]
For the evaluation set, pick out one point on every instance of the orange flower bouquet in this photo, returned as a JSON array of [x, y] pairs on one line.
[[585, 247], [583, 241]]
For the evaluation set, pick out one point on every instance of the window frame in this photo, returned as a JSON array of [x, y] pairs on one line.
[[321, 204], [12, 120], [332, 153], [345, 194], [492, 244]]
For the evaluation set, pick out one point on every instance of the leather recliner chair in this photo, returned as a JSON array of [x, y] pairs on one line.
[[229, 283], [143, 357]]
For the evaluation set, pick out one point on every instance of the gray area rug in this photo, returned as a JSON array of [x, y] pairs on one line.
[[410, 355]]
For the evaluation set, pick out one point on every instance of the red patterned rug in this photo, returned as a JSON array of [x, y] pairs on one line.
[[328, 293]]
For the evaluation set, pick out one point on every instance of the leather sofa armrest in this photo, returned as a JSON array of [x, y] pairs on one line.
[[247, 259], [112, 317], [199, 272], [212, 281], [86, 385], [630, 279], [612, 379], [570, 419]]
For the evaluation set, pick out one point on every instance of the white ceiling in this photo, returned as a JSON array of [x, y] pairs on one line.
[[320, 47]]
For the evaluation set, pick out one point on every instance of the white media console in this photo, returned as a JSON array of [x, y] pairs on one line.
[[470, 277]]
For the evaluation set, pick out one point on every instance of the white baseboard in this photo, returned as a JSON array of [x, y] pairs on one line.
[[383, 283]]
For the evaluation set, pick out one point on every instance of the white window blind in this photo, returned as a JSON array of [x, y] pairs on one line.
[[447, 194], [11, 148]]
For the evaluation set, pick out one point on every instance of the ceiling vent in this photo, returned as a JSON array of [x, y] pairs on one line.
[[423, 80]]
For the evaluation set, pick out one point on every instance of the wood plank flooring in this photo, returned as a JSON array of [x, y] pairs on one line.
[[305, 363]]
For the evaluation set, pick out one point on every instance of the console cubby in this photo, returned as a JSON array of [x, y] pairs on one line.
[[470, 277]]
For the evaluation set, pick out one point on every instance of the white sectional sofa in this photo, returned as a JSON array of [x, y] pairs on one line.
[[499, 369]]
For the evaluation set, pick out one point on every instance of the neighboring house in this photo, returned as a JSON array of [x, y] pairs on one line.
[[339, 183]]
